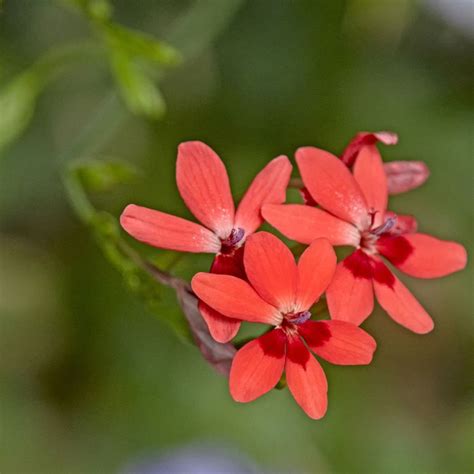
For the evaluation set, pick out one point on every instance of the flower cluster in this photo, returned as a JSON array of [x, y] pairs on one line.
[[254, 276]]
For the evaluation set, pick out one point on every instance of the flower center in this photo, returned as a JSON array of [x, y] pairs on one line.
[[229, 244], [292, 320], [298, 318], [368, 239]]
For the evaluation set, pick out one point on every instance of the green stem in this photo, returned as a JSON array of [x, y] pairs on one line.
[[77, 197]]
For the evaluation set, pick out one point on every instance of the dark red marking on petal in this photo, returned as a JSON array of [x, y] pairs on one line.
[[383, 275], [307, 198], [396, 249], [230, 263], [298, 352], [315, 333], [273, 343], [359, 264]]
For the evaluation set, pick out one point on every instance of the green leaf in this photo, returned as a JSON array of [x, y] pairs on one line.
[[17, 105], [19, 96], [138, 44], [138, 90], [98, 175]]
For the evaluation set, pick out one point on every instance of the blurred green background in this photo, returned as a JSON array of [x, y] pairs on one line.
[[91, 378]]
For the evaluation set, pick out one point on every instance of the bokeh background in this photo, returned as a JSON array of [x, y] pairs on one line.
[[92, 380]]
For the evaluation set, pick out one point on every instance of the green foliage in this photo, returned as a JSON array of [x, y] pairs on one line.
[[138, 90], [140, 45], [17, 105], [96, 175], [130, 52], [18, 97]]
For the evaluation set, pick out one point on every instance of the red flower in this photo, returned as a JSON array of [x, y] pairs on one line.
[[280, 293], [204, 186], [355, 214]]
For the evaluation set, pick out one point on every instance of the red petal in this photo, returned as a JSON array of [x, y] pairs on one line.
[[332, 185], [271, 269], [339, 342], [316, 268], [366, 138], [422, 255], [257, 366], [398, 302], [369, 173], [204, 186], [234, 298], [404, 176], [222, 328], [305, 224], [269, 186], [306, 379], [167, 232], [350, 295]]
